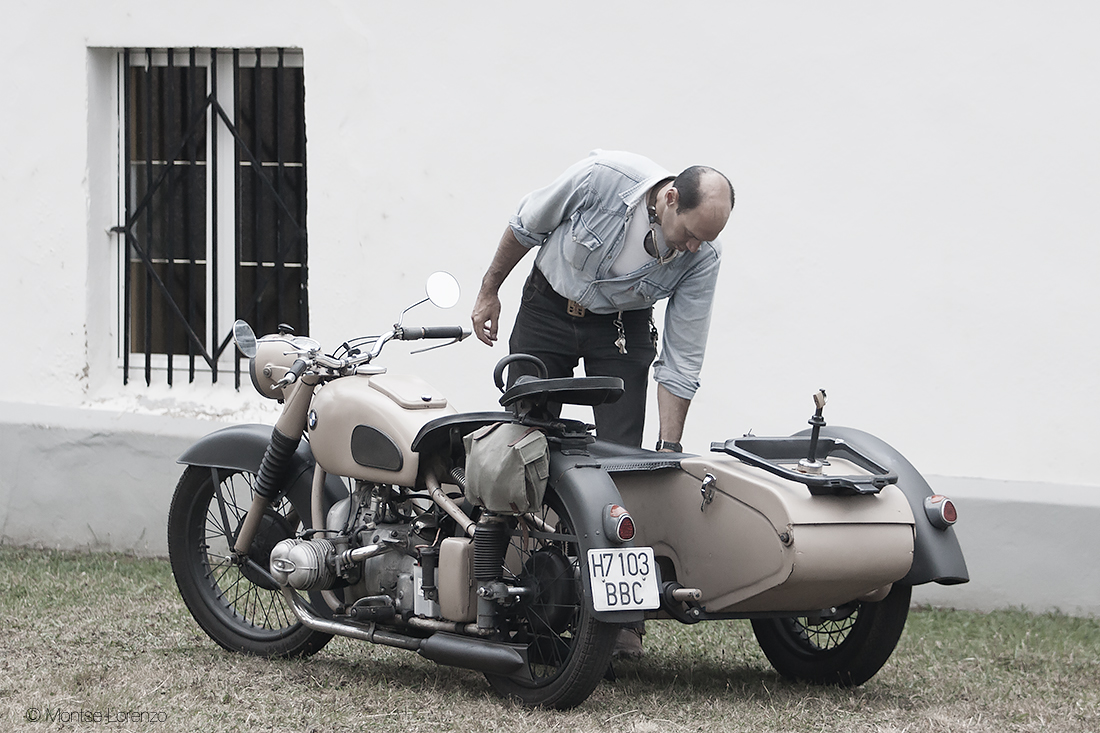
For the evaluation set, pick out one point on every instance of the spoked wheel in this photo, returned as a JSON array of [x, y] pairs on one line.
[[568, 650], [236, 604], [845, 649]]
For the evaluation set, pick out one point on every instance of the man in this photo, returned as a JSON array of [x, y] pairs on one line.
[[616, 233]]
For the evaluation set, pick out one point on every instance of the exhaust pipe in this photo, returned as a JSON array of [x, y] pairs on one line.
[[374, 635], [452, 650]]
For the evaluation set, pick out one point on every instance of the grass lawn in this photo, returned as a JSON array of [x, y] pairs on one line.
[[87, 635]]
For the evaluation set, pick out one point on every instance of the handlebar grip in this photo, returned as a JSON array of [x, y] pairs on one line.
[[434, 332], [298, 367], [292, 375]]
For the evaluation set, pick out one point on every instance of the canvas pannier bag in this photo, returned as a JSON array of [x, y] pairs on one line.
[[507, 466]]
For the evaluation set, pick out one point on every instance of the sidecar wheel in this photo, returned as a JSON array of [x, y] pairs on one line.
[[568, 650], [847, 650], [238, 608]]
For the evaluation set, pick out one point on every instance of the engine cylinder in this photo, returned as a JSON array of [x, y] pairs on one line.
[[303, 564]]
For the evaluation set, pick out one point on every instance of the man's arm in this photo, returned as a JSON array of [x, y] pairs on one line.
[[687, 322], [486, 313], [673, 412]]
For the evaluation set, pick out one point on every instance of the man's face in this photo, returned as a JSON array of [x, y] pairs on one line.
[[687, 230]]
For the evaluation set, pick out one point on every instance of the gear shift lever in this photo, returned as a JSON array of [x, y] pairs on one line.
[[810, 464]]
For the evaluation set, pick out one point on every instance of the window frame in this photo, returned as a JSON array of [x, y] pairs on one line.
[[222, 208]]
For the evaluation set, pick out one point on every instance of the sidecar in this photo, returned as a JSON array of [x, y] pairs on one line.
[[742, 532]]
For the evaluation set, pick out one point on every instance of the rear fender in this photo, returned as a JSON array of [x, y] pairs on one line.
[[585, 489], [241, 448], [936, 553]]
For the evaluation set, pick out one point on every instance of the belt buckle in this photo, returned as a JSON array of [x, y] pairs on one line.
[[575, 309]]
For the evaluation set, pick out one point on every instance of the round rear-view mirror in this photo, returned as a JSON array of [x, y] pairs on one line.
[[245, 338], [442, 289]]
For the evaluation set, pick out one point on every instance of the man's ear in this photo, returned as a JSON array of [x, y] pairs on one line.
[[672, 197]]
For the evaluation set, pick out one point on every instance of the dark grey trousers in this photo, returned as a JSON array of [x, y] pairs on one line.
[[544, 328]]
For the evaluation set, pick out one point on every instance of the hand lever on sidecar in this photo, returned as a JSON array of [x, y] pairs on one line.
[[810, 464]]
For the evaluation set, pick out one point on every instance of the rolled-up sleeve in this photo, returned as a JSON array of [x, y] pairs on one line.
[[687, 323], [541, 211]]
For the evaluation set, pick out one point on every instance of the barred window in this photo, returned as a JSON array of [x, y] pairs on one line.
[[212, 204]]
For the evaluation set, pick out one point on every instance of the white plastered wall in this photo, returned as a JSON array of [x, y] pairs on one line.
[[914, 229]]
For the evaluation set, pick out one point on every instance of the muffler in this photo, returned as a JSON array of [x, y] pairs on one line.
[[477, 654], [452, 650]]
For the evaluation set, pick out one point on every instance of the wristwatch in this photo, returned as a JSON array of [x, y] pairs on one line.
[[669, 445]]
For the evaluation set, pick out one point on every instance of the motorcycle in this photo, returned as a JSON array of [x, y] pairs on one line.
[[515, 543]]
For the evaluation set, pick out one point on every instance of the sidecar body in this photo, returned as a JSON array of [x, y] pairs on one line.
[[754, 541]]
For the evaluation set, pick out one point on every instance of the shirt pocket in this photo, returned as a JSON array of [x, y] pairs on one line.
[[651, 289], [581, 243]]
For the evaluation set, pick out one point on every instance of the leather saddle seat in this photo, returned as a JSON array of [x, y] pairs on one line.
[[587, 391]]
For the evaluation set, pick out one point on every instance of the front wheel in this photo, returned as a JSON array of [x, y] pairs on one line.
[[568, 650], [237, 606], [845, 649]]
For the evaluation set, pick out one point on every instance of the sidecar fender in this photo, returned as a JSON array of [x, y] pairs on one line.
[[585, 489], [937, 556], [241, 448]]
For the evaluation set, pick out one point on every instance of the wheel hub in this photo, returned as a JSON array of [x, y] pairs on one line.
[[549, 575], [273, 529]]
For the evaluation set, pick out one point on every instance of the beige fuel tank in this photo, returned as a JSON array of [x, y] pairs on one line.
[[362, 426]]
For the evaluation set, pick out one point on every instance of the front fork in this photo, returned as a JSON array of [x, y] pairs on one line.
[[285, 438]]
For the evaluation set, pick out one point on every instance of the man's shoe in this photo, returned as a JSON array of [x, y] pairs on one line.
[[628, 645]]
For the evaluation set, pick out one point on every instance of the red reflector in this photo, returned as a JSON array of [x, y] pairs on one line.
[[626, 528], [940, 510]]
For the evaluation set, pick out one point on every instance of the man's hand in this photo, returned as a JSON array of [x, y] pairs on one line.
[[486, 317], [486, 313]]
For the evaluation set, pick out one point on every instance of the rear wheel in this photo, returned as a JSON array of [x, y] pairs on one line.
[[846, 648], [238, 606], [568, 650]]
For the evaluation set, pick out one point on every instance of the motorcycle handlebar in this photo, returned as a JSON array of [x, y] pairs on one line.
[[293, 374], [298, 367], [434, 332]]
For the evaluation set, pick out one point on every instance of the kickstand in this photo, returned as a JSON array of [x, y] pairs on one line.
[[609, 675]]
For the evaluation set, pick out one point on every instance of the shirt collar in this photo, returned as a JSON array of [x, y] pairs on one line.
[[632, 196]]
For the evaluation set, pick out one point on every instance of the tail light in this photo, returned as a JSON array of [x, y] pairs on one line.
[[941, 511], [617, 523]]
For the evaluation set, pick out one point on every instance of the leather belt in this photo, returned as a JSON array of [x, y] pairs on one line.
[[541, 285]]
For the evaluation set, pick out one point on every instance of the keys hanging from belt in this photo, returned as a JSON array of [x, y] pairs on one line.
[[620, 343]]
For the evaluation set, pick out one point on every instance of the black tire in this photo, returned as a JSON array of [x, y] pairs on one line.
[[568, 649], [238, 608], [846, 649]]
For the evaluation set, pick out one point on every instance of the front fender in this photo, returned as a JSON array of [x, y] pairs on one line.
[[936, 553], [585, 489], [241, 448]]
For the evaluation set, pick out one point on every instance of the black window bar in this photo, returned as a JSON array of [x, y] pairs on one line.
[[166, 272]]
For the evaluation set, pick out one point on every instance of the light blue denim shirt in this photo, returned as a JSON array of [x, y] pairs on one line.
[[579, 223]]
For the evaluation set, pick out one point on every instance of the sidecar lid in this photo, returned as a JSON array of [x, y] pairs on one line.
[[780, 456]]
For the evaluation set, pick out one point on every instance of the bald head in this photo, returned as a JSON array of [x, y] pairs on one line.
[[697, 206], [698, 211], [699, 183]]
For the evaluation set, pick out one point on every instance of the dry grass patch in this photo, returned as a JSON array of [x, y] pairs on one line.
[[108, 634]]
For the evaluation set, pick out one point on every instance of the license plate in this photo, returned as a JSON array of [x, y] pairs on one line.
[[623, 579]]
